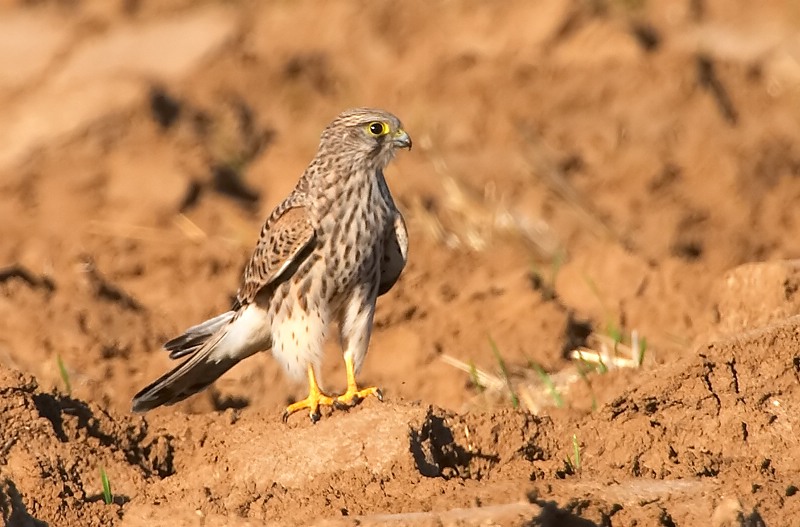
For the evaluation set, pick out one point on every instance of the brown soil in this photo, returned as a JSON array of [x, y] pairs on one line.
[[579, 169]]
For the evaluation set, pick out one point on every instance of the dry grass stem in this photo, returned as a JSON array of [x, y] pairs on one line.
[[470, 218], [604, 350], [537, 390], [190, 228]]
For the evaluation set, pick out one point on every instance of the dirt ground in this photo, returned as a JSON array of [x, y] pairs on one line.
[[614, 176]]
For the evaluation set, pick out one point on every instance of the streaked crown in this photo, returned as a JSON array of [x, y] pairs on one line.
[[367, 131]]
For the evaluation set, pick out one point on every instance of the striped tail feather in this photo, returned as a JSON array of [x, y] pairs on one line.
[[193, 338], [212, 348], [193, 375]]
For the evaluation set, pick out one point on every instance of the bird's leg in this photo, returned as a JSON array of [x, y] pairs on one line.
[[355, 329], [353, 393], [312, 402]]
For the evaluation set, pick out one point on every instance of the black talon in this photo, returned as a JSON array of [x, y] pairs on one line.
[[339, 405], [379, 395], [285, 417], [314, 416]]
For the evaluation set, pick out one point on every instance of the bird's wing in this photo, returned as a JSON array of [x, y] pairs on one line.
[[286, 240], [395, 254]]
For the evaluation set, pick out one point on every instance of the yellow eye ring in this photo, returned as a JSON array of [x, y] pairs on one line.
[[377, 128]]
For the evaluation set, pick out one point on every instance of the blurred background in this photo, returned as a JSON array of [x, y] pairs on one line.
[[583, 173]]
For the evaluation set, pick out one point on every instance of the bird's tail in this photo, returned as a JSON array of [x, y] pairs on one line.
[[206, 344], [193, 338]]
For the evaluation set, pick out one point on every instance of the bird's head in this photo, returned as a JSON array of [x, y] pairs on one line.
[[368, 132]]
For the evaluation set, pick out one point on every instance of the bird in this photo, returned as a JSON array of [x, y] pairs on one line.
[[323, 257]]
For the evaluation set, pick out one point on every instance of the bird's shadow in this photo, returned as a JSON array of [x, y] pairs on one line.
[[225, 402]]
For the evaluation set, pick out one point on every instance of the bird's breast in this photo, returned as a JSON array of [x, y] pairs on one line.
[[352, 236]]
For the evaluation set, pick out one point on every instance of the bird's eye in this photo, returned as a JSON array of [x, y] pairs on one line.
[[378, 128]]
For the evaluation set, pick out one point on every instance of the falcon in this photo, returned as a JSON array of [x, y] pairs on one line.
[[324, 255]]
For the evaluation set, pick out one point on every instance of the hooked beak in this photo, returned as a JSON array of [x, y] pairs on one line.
[[401, 139]]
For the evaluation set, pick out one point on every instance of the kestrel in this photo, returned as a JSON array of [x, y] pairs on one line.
[[325, 254]]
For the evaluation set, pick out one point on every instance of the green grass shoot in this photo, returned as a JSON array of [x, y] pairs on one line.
[[474, 378], [62, 370], [504, 373], [642, 350], [601, 366], [548, 382], [576, 453], [615, 332], [583, 369], [613, 329], [107, 496]]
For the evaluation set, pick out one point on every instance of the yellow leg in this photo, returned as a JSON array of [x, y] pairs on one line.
[[312, 402], [353, 395]]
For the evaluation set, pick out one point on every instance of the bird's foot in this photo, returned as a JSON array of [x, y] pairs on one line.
[[311, 403], [353, 396]]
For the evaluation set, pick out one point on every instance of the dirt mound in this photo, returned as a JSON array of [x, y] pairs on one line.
[[754, 295], [695, 434], [252, 466], [381, 458], [712, 436], [53, 448]]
